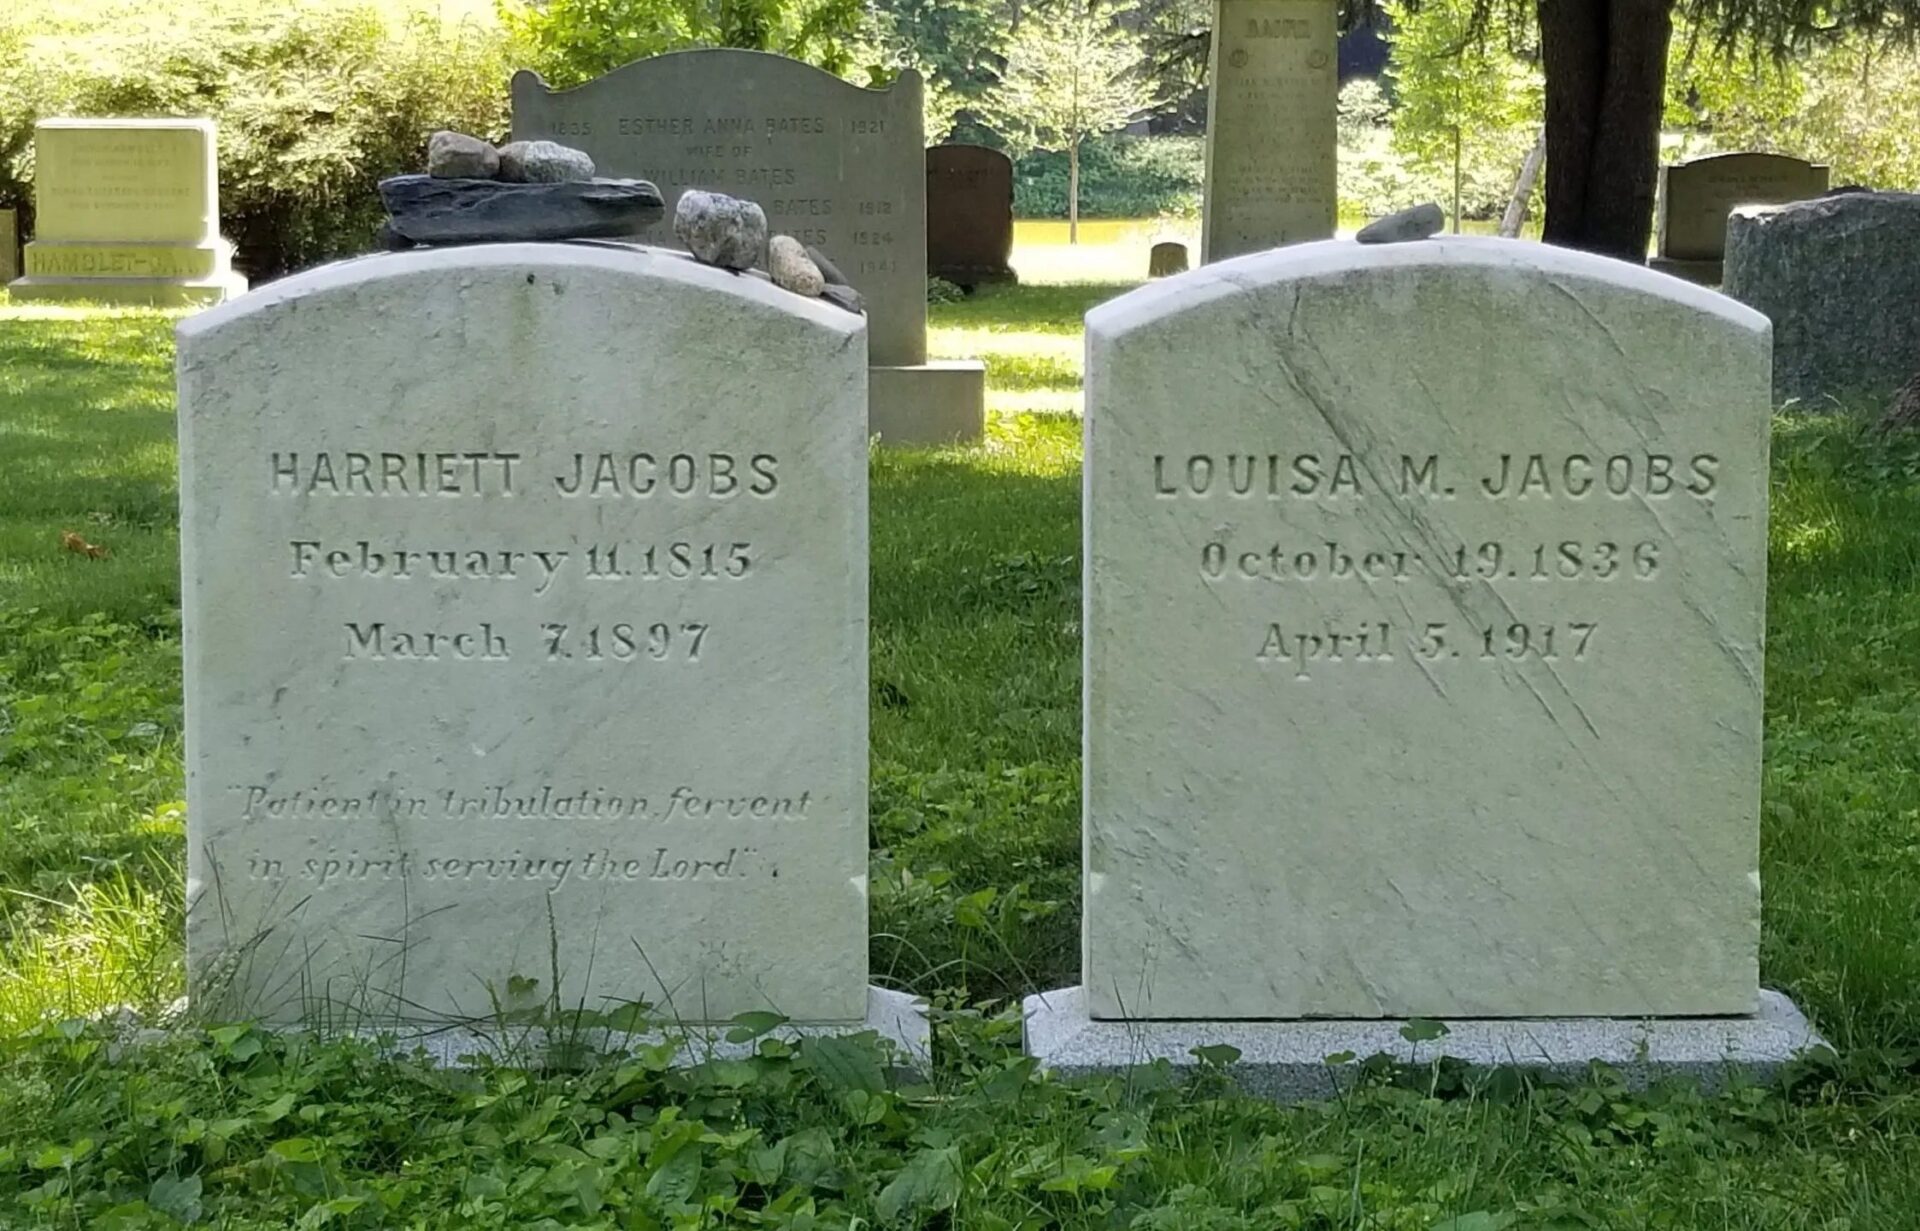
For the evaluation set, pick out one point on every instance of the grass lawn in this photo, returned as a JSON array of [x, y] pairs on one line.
[[975, 900]]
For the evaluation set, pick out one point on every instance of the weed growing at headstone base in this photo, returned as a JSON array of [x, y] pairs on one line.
[[976, 805]]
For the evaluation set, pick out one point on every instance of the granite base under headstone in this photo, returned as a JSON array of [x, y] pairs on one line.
[[1840, 279], [525, 611], [127, 212], [1461, 627], [1302, 1061], [834, 165]]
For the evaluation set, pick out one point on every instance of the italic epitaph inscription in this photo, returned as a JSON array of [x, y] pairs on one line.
[[526, 640], [1425, 601]]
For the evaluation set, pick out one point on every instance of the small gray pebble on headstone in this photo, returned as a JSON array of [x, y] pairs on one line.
[[827, 268], [456, 156], [841, 296], [543, 162], [721, 230], [1423, 221], [792, 269]]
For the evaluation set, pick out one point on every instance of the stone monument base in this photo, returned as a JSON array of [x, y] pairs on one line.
[[939, 403], [1286, 1061], [148, 292], [162, 275], [1705, 273]]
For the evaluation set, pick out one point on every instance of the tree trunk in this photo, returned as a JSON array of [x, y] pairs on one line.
[[1516, 215], [1073, 192], [1606, 70]]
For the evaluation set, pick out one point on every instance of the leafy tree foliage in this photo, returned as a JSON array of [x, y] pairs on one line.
[[1457, 93], [1072, 73], [571, 41]]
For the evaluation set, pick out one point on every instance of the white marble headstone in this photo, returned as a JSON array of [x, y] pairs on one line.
[[525, 595], [1425, 604]]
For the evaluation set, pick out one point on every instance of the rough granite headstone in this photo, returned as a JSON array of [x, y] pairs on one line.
[[525, 597], [1270, 127], [833, 165], [969, 215], [127, 211], [1468, 653], [1840, 279]]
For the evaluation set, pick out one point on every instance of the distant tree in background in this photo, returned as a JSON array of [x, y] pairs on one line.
[[959, 47], [571, 41], [1458, 92], [1072, 72]]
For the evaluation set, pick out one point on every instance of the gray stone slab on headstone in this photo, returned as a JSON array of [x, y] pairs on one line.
[[1696, 196], [429, 210], [525, 600], [833, 165], [1840, 279], [1270, 127], [969, 215], [1446, 561]]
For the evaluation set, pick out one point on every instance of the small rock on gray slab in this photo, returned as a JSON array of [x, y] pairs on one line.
[[827, 268], [543, 162], [425, 210], [1840, 278], [1286, 1061], [844, 297], [456, 156], [721, 230], [792, 269], [1423, 221]]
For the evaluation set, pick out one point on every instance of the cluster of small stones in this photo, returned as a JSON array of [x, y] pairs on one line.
[[457, 156], [731, 233]]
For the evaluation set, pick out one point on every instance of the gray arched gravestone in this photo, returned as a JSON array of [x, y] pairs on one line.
[[834, 165], [1444, 565], [525, 593]]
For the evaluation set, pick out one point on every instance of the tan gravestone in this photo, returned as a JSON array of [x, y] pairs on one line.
[[1697, 196], [1270, 126], [969, 215], [127, 211], [1167, 258], [9, 245], [525, 597], [1423, 674], [836, 166]]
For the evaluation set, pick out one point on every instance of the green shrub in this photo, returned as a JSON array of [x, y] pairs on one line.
[[1120, 177], [316, 100]]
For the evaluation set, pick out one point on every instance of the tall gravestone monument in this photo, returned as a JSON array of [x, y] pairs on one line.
[[525, 597], [1270, 126], [1697, 196], [1446, 561], [969, 215], [835, 166], [127, 211]]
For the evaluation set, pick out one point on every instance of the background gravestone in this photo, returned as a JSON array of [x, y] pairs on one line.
[[1464, 658], [969, 215], [9, 245], [1840, 279], [1270, 126], [1696, 196], [127, 211], [836, 166], [525, 596]]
